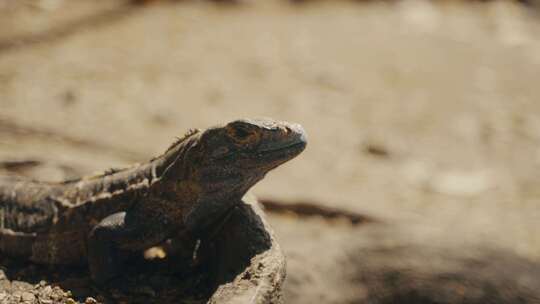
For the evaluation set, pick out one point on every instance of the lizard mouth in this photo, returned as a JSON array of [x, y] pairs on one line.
[[282, 152], [298, 145], [294, 141], [289, 147]]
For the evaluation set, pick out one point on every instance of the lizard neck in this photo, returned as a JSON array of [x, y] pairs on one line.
[[172, 166], [177, 163]]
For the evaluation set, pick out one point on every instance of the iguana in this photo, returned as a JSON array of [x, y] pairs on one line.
[[91, 219]]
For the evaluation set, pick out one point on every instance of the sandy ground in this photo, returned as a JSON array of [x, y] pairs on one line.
[[422, 115]]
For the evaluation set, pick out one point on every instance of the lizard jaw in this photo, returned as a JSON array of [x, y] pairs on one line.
[[278, 152]]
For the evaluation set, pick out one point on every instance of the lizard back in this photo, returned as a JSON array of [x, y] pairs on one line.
[[35, 207], [25, 206]]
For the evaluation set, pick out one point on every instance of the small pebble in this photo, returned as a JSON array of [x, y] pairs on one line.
[[90, 300], [377, 150], [27, 297], [155, 253], [46, 290], [71, 301]]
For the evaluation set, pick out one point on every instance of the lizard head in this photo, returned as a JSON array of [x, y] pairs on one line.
[[235, 156], [216, 167]]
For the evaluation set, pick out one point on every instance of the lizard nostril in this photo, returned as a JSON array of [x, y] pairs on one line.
[[285, 131], [288, 130]]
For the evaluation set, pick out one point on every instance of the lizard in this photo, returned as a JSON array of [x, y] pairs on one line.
[[90, 220]]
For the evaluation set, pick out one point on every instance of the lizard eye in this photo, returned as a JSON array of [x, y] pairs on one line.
[[241, 134]]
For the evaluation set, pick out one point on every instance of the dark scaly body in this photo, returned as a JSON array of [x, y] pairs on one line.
[[53, 219], [191, 184]]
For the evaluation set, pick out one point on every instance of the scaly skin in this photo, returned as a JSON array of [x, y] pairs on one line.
[[191, 185]]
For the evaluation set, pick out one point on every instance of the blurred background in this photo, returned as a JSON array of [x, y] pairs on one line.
[[423, 115]]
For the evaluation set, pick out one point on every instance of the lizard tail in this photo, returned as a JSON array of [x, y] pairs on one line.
[[17, 244]]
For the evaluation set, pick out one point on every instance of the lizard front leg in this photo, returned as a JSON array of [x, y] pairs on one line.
[[116, 233]]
